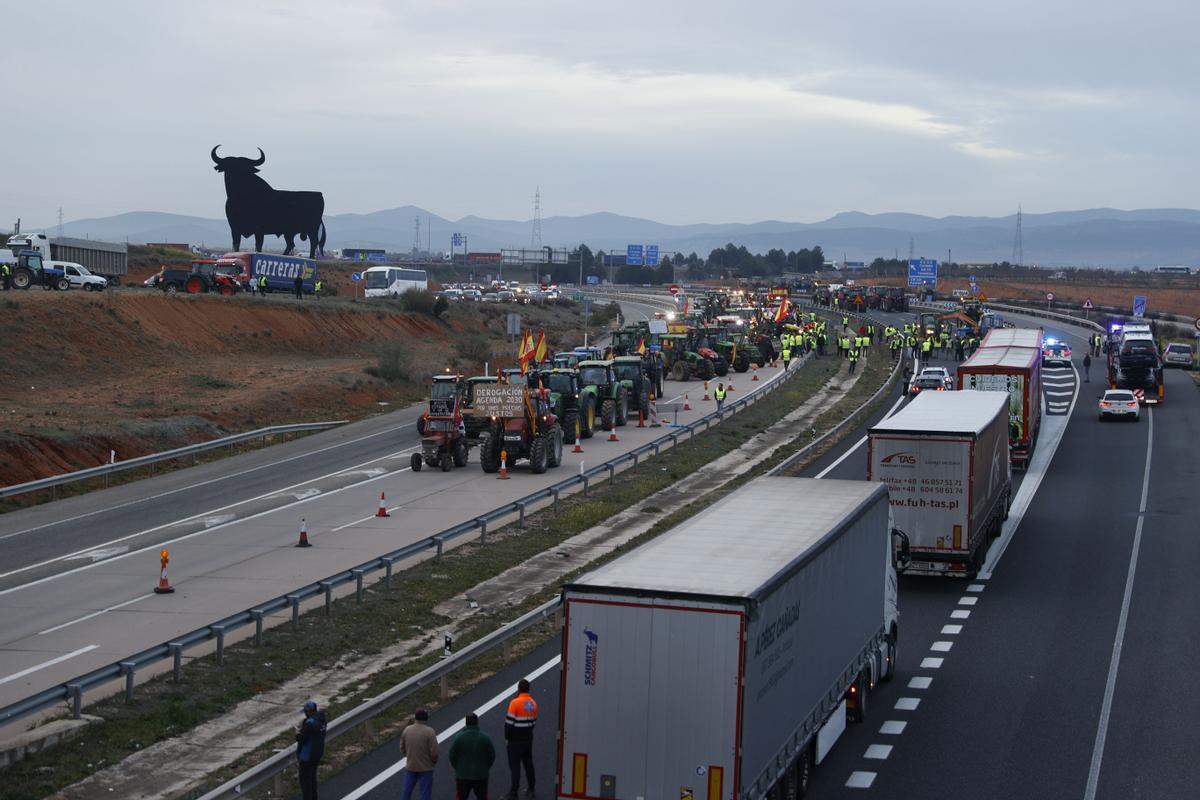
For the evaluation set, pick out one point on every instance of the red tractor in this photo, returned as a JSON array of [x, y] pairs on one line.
[[523, 427], [443, 435]]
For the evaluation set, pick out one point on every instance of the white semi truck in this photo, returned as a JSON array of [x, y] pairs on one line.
[[945, 459], [721, 660]]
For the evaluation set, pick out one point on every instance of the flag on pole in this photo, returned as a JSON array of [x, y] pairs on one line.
[[526, 351], [539, 351], [782, 313], [641, 346]]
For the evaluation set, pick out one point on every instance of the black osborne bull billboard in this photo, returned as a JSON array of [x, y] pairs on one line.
[[255, 209]]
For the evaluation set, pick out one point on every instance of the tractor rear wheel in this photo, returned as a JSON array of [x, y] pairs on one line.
[[705, 370], [644, 402], [608, 414], [539, 454], [587, 420], [679, 370], [556, 442], [421, 425], [743, 363], [22, 279], [489, 454], [460, 452], [622, 406], [571, 431], [722, 369], [195, 285]]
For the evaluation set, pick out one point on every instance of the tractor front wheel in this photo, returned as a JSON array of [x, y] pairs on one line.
[[415, 463], [622, 406], [608, 414], [539, 454], [571, 427], [460, 452], [554, 457], [489, 454]]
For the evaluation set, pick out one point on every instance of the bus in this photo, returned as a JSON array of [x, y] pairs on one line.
[[393, 281], [1174, 270]]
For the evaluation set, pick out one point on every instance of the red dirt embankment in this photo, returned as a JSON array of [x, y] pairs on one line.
[[138, 371]]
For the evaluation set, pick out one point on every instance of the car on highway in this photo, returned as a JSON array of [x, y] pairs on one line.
[[1178, 355], [1056, 352], [491, 297], [941, 373], [926, 383], [472, 295], [1119, 403]]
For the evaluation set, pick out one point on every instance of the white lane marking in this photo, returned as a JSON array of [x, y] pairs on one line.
[[194, 516], [907, 703], [975, 587], [396, 768], [857, 444], [167, 542], [878, 752], [1035, 473], [50, 663], [99, 555], [1114, 663], [191, 486], [219, 519], [94, 614], [960, 613], [307, 493], [860, 780], [941, 647], [968, 601], [951, 630], [370, 473], [1059, 394], [893, 727], [931, 663], [920, 682]]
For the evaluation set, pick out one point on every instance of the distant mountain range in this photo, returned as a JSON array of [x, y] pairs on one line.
[[1095, 237]]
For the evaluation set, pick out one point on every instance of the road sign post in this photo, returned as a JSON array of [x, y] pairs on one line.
[[356, 277], [1139, 305], [922, 272], [1087, 308], [1049, 299]]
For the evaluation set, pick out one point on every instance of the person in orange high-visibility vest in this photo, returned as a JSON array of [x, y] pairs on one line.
[[518, 738]]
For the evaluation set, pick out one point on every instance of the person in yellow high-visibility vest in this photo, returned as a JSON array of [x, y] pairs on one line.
[[720, 393], [787, 357], [853, 356]]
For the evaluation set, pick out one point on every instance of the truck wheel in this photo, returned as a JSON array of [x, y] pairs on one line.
[[194, 285], [460, 453], [539, 455], [489, 455], [554, 457], [858, 713], [608, 414], [415, 462], [571, 427], [889, 660], [587, 422]]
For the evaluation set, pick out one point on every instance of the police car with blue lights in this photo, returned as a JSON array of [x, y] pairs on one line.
[[1055, 352]]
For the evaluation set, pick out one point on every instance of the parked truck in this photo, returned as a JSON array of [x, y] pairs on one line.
[[108, 260], [944, 458], [280, 271], [721, 660], [1010, 360], [1134, 362]]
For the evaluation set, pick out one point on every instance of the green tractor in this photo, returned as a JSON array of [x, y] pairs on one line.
[[575, 409], [735, 351], [681, 362], [599, 385], [633, 373]]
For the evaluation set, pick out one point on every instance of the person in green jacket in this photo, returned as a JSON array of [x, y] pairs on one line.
[[472, 755]]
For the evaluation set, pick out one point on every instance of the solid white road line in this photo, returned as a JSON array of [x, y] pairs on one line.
[[857, 444], [50, 663], [397, 767], [226, 476], [94, 614], [1114, 663]]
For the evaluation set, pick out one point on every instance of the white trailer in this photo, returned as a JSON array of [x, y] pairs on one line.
[[720, 661], [945, 459]]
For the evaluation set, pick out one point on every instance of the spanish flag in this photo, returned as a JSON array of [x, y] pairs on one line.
[[525, 352], [641, 347], [539, 351], [782, 313]]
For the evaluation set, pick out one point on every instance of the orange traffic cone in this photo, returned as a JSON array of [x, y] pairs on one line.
[[755, 373], [731, 384], [503, 476], [706, 397], [686, 406], [578, 447], [163, 586], [641, 417], [382, 512], [303, 535], [612, 435]]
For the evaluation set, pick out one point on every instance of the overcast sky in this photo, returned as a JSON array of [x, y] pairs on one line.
[[697, 111]]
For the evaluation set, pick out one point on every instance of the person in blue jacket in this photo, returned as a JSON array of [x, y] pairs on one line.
[[310, 746]]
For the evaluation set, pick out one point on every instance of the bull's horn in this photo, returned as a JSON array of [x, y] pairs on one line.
[[214, 155], [261, 158]]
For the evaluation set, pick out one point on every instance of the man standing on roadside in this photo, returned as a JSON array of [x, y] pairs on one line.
[[720, 392], [472, 755], [6, 276], [298, 283], [418, 743], [310, 746], [1087, 367], [518, 737]]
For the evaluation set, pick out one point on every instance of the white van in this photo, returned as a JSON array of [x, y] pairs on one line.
[[79, 276]]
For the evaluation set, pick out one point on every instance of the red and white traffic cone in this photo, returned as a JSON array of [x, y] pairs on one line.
[[164, 587], [730, 384], [755, 373], [578, 447], [641, 417], [686, 406], [503, 476], [303, 535], [706, 397], [382, 512], [612, 435]]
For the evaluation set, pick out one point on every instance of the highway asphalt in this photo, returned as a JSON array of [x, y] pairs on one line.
[[1062, 670], [77, 608]]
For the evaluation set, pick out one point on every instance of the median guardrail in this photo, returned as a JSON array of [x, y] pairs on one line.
[[72, 691], [149, 460]]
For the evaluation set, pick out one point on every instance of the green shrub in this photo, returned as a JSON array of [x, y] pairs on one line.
[[418, 300], [394, 363]]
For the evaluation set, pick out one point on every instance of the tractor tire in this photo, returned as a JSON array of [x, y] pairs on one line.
[[447, 460], [556, 442], [62, 284], [608, 414], [228, 290], [644, 402], [489, 454], [743, 363], [687, 371], [587, 419], [679, 370], [721, 369], [622, 406], [539, 454], [421, 425], [706, 371], [22, 279], [171, 288], [416, 462], [195, 285], [460, 452], [570, 424]]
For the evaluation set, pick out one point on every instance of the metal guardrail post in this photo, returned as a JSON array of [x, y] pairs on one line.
[[555, 492], [358, 585], [294, 602], [520, 515], [440, 547], [388, 566], [612, 473], [176, 660], [219, 630], [128, 668], [75, 692], [258, 627], [327, 587], [586, 481]]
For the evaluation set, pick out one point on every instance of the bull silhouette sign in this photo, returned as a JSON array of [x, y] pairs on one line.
[[255, 209]]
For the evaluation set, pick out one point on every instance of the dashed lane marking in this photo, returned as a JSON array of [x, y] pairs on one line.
[[951, 630], [931, 663], [878, 752], [920, 682], [907, 703], [860, 780], [50, 663], [975, 587], [893, 727], [941, 647], [968, 601], [960, 613]]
